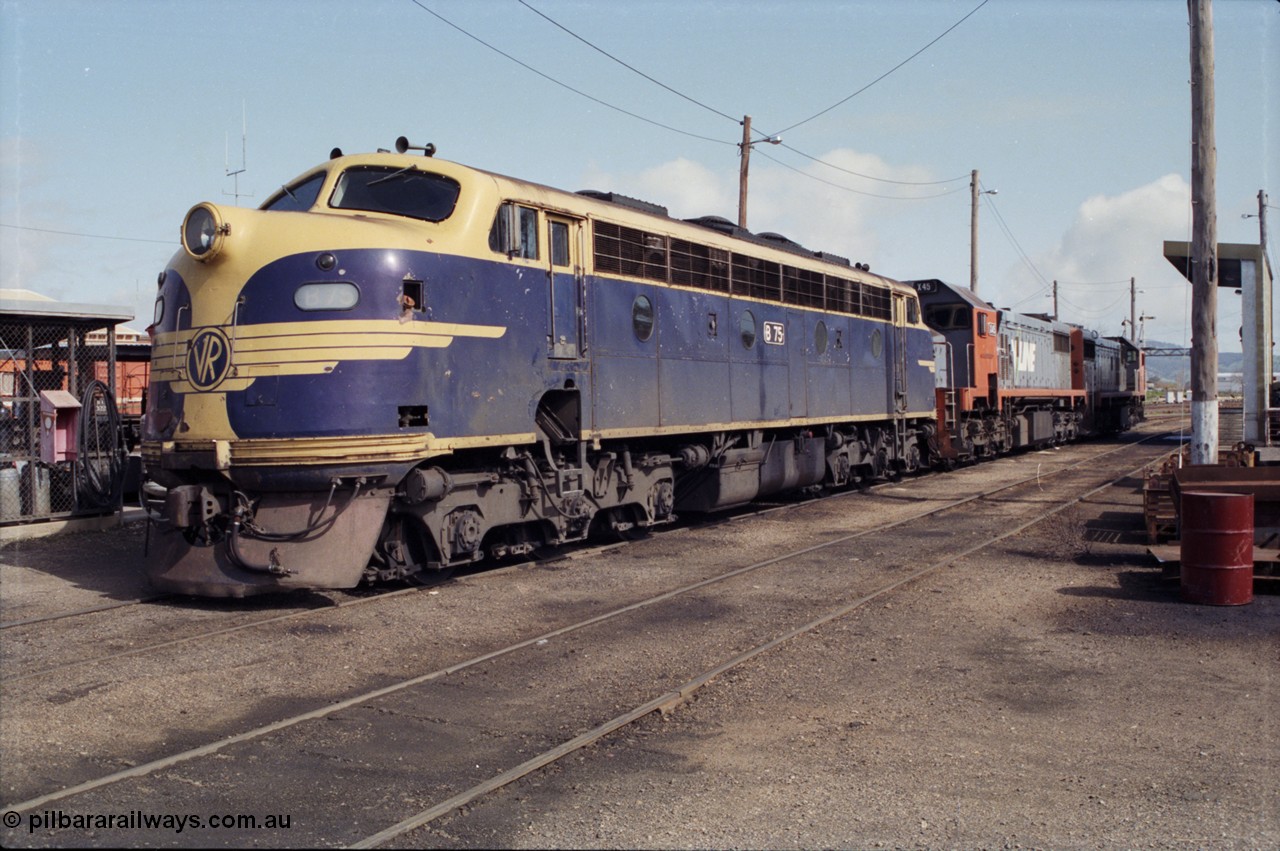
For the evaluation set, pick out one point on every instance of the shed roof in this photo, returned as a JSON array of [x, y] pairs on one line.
[[26, 306]]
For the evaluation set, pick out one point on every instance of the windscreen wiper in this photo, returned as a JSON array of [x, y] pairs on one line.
[[392, 176]]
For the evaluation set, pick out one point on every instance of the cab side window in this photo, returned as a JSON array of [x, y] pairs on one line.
[[515, 231], [559, 244]]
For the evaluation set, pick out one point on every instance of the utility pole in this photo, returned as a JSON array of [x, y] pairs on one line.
[[1262, 225], [1055, 301], [974, 192], [745, 151], [1133, 311], [1204, 240], [973, 232], [745, 148]]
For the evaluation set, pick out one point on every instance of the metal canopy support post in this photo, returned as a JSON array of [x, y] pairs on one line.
[[1246, 267], [1255, 332]]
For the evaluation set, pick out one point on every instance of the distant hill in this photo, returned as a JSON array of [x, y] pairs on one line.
[[1177, 370]]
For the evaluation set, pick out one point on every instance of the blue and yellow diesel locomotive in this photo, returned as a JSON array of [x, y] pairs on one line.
[[399, 364]]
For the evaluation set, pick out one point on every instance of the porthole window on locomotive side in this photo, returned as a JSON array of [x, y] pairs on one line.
[[820, 337], [159, 311], [642, 317], [877, 344], [747, 329]]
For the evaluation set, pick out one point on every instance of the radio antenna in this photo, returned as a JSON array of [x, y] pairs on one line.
[[244, 133]]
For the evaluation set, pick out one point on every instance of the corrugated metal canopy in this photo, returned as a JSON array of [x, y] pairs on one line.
[[31, 311]]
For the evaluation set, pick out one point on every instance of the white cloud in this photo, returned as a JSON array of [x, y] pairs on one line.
[[686, 188], [1117, 237], [1112, 235], [818, 211]]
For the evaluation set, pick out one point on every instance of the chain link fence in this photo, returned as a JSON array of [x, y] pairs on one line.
[[61, 449]]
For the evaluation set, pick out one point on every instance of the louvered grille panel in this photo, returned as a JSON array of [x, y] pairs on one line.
[[635, 253], [628, 251], [700, 266], [803, 287]]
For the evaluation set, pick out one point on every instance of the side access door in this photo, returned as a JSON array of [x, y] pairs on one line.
[[568, 286], [899, 353]]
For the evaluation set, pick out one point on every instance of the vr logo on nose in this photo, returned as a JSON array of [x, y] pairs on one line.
[[208, 359]]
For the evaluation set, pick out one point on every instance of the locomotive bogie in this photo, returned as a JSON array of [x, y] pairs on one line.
[[533, 502]]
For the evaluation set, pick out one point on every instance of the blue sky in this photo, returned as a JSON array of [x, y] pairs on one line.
[[116, 117]]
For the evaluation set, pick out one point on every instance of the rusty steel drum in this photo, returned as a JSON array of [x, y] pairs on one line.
[[1217, 548]]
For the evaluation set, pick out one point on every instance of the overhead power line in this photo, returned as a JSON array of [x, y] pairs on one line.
[[631, 68], [712, 109], [873, 177], [563, 85], [850, 97], [1045, 284], [762, 153], [88, 235], [726, 115], [1093, 283]]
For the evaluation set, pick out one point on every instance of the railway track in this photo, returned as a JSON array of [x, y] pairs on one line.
[[88, 610], [796, 577], [308, 603]]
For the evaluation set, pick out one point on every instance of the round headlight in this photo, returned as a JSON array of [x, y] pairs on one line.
[[203, 232]]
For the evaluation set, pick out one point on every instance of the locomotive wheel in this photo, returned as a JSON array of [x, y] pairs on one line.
[[207, 534], [913, 458], [619, 524], [635, 533], [427, 578]]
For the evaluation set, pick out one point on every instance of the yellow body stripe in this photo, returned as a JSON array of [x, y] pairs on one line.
[[308, 348], [321, 451]]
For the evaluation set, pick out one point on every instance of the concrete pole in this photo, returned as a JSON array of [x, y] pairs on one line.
[[1204, 241]]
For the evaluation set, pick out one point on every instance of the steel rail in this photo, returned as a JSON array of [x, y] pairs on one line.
[[91, 610], [359, 699], [197, 636], [672, 698], [573, 554]]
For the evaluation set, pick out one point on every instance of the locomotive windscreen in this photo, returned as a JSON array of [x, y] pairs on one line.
[[299, 197], [399, 191]]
